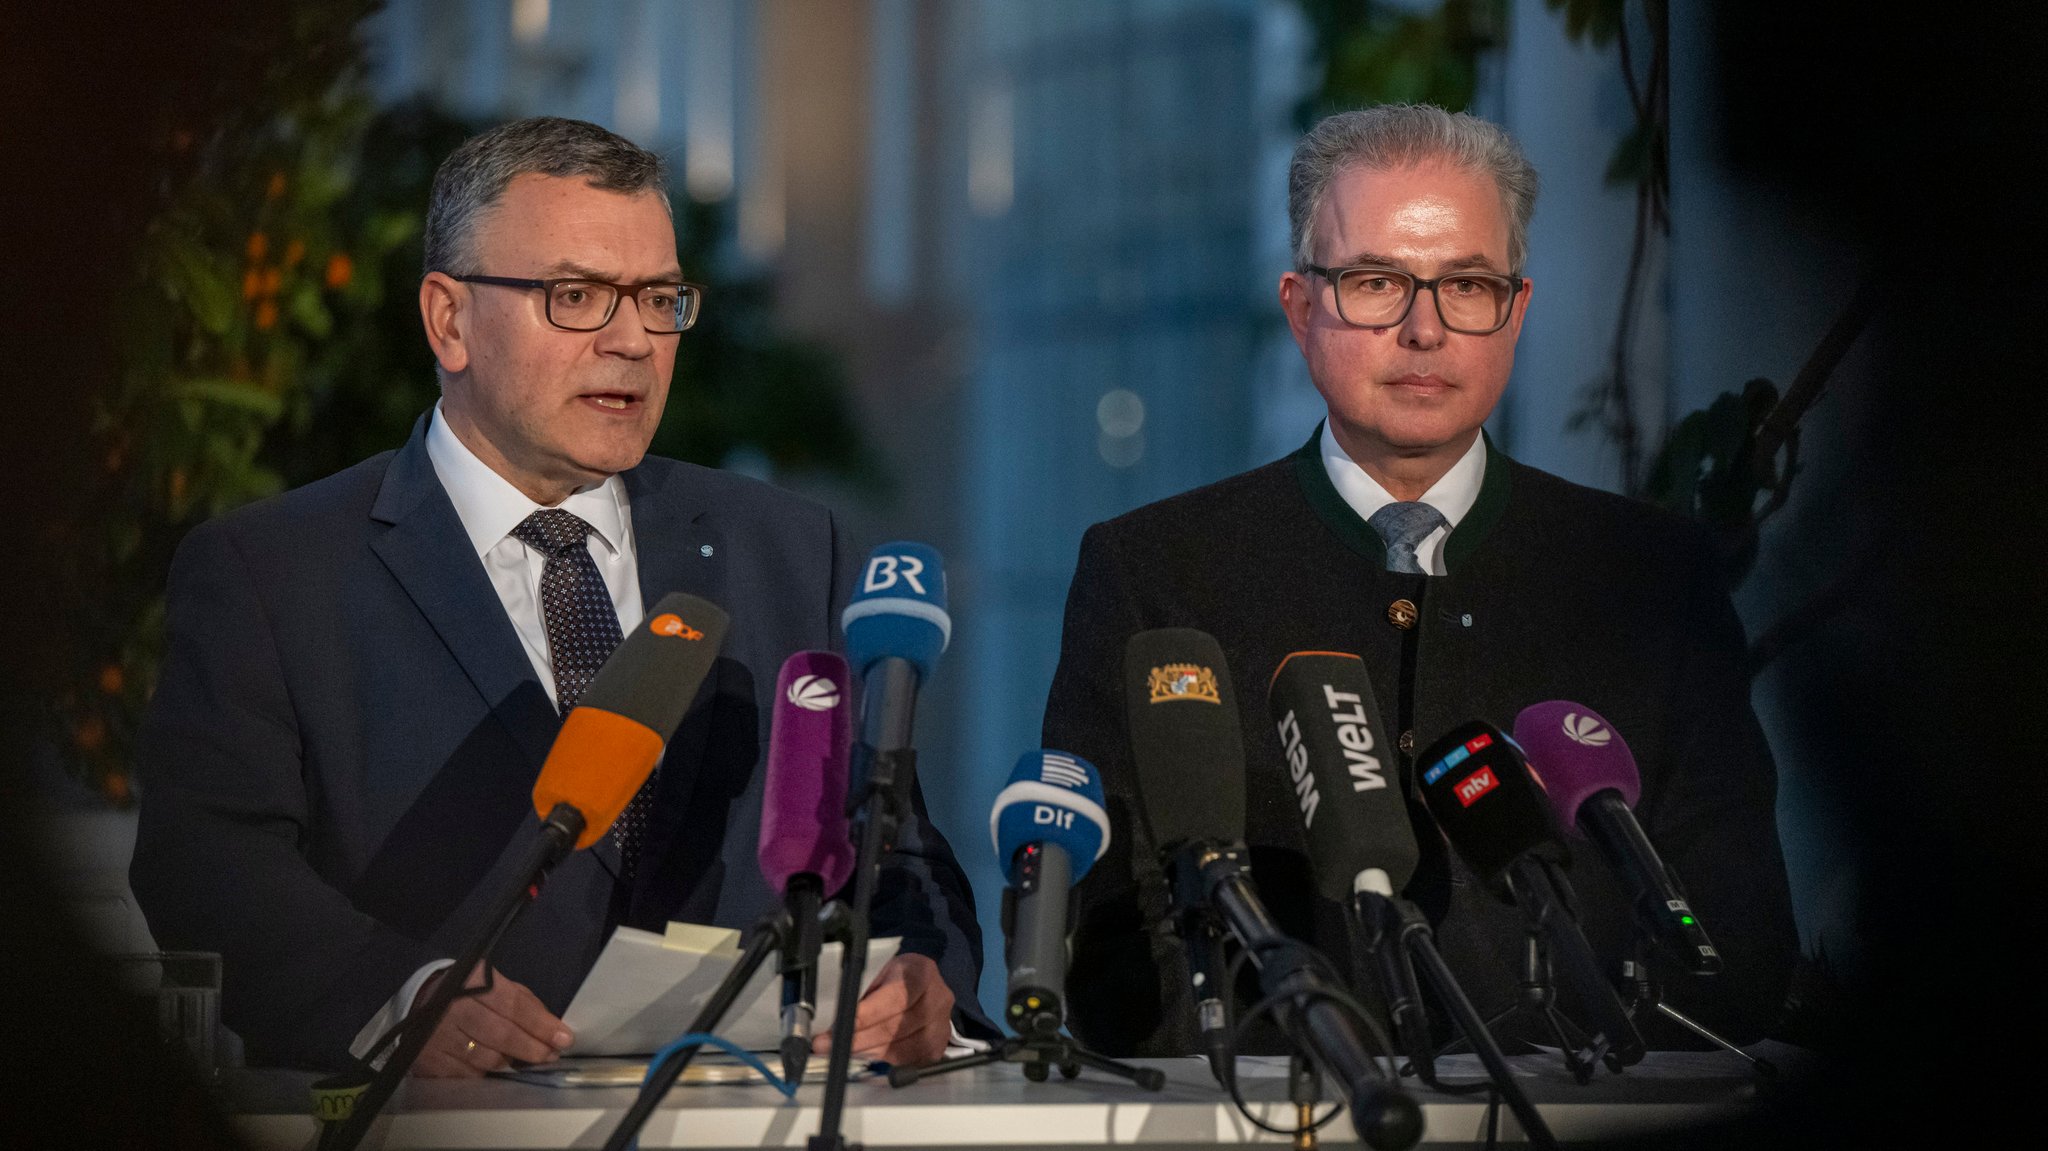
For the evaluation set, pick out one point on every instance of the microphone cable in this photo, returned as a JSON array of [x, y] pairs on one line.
[[1331, 993]]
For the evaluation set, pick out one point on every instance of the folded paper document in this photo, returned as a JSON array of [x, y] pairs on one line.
[[646, 989]]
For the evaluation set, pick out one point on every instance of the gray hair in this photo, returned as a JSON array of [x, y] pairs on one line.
[[474, 176], [1391, 136]]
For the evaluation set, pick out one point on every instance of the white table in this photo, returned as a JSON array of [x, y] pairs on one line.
[[996, 1107]]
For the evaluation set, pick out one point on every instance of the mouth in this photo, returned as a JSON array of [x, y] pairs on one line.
[[621, 402], [1421, 383]]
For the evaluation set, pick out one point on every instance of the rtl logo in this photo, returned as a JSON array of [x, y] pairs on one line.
[[1475, 785]]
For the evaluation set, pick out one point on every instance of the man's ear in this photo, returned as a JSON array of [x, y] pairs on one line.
[[1519, 310], [445, 313], [1298, 300]]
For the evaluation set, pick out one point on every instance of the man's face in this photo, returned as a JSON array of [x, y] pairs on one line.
[[1409, 389], [554, 410]]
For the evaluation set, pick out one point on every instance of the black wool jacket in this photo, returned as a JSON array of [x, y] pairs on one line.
[[1551, 591]]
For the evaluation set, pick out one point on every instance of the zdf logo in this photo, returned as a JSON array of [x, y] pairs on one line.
[[884, 570], [1586, 730], [671, 624], [813, 693]]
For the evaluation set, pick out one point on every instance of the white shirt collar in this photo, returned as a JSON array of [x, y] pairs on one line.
[[1453, 495], [490, 507]]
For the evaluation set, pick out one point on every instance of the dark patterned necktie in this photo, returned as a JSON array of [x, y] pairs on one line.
[[583, 628], [1404, 526]]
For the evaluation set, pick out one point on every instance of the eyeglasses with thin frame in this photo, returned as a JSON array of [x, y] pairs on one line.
[[580, 305], [1473, 303]]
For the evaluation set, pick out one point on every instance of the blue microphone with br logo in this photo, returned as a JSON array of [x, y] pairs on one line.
[[896, 626], [1049, 828]]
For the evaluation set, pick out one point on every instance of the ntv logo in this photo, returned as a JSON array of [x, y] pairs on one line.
[[1586, 730]]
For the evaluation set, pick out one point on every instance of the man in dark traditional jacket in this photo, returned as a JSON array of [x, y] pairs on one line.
[[1471, 585]]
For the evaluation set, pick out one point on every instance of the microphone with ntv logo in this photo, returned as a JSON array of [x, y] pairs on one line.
[[1494, 812]]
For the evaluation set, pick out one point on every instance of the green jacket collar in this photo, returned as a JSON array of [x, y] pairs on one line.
[[1358, 535]]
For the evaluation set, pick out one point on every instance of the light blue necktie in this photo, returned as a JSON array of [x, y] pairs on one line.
[[1403, 526]]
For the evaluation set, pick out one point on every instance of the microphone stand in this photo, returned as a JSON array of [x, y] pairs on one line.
[[884, 764], [1536, 1000], [774, 932], [1644, 991], [559, 833], [1401, 926], [1039, 1053]]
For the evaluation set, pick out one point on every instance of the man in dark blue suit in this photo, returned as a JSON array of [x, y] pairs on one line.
[[365, 674]]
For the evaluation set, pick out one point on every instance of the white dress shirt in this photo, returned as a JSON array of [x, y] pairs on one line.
[[1452, 496], [489, 508]]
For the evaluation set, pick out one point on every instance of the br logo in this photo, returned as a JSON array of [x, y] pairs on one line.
[[885, 570], [671, 624]]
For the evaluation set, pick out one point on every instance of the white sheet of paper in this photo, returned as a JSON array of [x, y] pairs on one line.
[[647, 988]]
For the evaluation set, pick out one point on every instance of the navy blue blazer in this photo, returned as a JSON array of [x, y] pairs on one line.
[[337, 764]]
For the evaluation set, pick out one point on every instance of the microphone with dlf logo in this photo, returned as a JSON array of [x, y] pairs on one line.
[[1493, 810], [1049, 828]]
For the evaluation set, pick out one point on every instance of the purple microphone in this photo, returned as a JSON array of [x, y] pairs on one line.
[[806, 852], [1593, 784]]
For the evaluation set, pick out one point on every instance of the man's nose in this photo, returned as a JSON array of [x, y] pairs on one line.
[[626, 335], [1423, 328]]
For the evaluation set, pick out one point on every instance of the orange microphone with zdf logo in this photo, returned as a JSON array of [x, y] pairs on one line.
[[614, 735], [607, 748]]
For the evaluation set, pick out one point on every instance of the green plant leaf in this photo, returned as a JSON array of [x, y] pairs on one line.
[[309, 312], [231, 393]]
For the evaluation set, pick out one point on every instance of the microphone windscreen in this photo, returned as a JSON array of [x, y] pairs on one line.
[[898, 609], [613, 737], [803, 802], [1490, 806], [1051, 797], [1348, 795], [1578, 754], [1186, 744]]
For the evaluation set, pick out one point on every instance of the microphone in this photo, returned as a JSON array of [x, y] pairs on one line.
[[613, 737], [608, 746], [896, 627], [806, 850], [1492, 808], [1188, 751], [1350, 799], [1049, 828], [1593, 784], [1361, 845]]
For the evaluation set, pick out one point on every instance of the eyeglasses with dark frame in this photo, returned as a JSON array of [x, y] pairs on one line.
[[666, 307], [1472, 303]]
